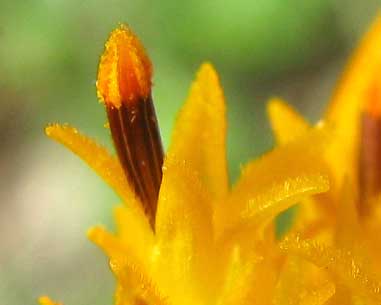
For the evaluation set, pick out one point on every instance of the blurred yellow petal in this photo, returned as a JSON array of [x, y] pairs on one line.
[[199, 135], [318, 295], [111, 245], [347, 225], [287, 126], [134, 231], [97, 157], [357, 78], [349, 100], [286, 123], [341, 265], [301, 284], [122, 296], [44, 300], [243, 273], [278, 180]]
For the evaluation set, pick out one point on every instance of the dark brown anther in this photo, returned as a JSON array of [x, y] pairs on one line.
[[370, 152], [124, 86], [137, 141]]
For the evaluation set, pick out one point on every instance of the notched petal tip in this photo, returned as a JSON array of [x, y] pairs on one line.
[[125, 70]]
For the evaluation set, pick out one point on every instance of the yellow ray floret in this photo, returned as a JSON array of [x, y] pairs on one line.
[[97, 157], [356, 80], [201, 121], [136, 287], [128, 220], [343, 114], [286, 123], [350, 236], [278, 180], [351, 98]]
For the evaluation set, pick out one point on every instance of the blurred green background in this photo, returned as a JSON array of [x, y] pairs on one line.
[[49, 52]]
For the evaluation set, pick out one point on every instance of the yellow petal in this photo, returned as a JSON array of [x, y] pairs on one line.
[[119, 254], [357, 78], [347, 225], [341, 265], [184, 231], [343, 296], [249, 280], [199, 135], [278, 180], [98, 158], [350, 98], [287, 126], [44, 300], [301, 283], [111, 245], [134, 231], [122, 297], [135, 284], [318, 295], [286, 123]]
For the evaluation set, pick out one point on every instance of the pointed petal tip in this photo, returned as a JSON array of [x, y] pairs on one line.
[[275, 103], [361, 70], [202, 120], [207, 66], [93, 233], [207, 72], [287, 124]]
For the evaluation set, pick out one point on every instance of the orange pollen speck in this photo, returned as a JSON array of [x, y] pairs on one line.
[[125, 71]]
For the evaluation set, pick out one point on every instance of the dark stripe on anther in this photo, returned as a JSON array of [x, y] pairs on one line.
[[136, 136], [369, 161]]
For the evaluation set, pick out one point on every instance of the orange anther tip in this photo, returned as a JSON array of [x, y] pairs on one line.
[[125, 71]]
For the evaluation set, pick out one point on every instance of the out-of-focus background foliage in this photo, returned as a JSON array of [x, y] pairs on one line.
[[48, 60]]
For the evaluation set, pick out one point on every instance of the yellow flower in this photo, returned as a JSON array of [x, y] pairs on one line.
[[183, 236], [46, 301], [345, 223]]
